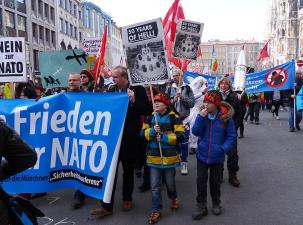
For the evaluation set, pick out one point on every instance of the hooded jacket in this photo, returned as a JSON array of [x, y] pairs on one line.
[[216, 137]]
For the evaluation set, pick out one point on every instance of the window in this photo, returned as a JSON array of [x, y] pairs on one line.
[[46, 11], [9, 19], [47, 33], [33, 3], [80, 36], [52, 14], [76, 32], [1, 30], [70, 7], [41, 33], [80, 15], [66, 5], [21, 6], [87, 18], [35, 34], [40, 7], [36, 60], [9, 4], [53, 38], [75, 10], [66, 27], [61, 25], [61, 3], [71, 29], [21, 23]]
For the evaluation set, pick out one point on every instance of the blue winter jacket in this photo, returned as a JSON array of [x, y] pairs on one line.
[[216, 138]]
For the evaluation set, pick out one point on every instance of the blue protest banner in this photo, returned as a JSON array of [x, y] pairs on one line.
[[299, 100], [281, 77], [77, 139]]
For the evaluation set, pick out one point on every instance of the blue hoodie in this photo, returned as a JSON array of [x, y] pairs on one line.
[[216, 138]]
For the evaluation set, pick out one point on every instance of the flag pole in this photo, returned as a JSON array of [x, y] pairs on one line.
[[156, 117], [295, 107]]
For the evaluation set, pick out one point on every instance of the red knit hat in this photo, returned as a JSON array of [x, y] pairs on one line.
[[162, 98], [214, 97]]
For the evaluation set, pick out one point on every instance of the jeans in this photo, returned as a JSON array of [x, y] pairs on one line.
[[156, 177], [291, 117], [276, 104], [214, 182], [254, 111], [184, 144]]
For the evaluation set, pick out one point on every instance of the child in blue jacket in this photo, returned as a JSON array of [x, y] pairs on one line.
[[217, 135]]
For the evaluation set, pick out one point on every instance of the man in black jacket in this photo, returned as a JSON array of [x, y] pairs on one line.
[[18, 157], [130, 144]]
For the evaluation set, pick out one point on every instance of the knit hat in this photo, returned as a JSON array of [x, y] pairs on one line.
[[88, 74], [214, 97], [161, 97]]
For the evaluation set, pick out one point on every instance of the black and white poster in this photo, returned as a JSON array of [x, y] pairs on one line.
[[187, 39], [145, 52], [12, 59]]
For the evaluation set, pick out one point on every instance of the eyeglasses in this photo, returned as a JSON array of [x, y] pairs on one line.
[[83, 76]]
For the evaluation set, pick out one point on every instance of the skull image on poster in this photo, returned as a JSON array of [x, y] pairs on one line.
[[186, 46]]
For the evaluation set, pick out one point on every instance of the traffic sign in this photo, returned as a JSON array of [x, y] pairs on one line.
[[300, 63]]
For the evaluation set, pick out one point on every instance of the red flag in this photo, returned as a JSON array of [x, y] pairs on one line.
[[264, 52], [170, 21], [199, 53], [171, 18], [106, 71], [101, 54]]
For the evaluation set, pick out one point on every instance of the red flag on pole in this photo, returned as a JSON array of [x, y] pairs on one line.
[[264, 52], [101, 54], [199, 52]]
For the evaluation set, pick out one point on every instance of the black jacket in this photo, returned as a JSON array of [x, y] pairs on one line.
[[130, 144], [18, 155]]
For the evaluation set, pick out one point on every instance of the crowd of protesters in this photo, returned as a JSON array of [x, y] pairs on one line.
[[158, 135]]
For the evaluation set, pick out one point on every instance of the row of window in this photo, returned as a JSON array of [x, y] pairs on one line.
[[16, 4], [44, 10], [43, 34], [9, 20], [70, 7], [68, 29]]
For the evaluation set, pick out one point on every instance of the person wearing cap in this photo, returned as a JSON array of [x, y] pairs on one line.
[[87, 81], [217, 136], [167, 131]]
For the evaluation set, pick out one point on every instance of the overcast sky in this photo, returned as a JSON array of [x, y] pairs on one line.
[[223, 19]]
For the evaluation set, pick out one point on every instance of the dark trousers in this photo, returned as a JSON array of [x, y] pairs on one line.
[[214, 182], [233, 160], [4, 218], [254, 111], [276, 104], [128, 166]]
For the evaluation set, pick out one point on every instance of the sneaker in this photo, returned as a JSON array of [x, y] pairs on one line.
[[154, 217], [291, 129], [77, 203], [184, 168], [277, 117], [127, 206], [233, 180], [298, 127], [216, 210], [257, 122], [100, 212], [175, 204], [200, 212], [241, 136]]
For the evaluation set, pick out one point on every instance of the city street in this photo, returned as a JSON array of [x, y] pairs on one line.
[[271, 165]]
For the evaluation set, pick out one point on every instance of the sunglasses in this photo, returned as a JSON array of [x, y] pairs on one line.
[[83, 76]]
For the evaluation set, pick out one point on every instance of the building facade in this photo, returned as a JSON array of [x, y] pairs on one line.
[[68, 23], [284, 30], [227, 52], [92, 25], [116, 46]]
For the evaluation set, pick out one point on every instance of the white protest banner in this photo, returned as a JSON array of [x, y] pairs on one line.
[[145, 51], [12, 59], [187, 39], [91, 46]]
